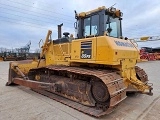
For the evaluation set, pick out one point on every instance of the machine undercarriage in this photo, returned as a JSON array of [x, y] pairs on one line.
[[93, 91]]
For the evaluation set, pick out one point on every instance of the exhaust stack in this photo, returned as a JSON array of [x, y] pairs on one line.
[[60, 30]]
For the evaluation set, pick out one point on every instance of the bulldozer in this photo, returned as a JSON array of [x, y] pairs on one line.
[[91, 72]]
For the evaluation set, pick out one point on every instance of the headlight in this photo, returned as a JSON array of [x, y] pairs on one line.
[[121, 14]]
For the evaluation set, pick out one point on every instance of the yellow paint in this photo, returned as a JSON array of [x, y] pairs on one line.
[[83, 14], [105, 51], [26, 66], [116, 53], [144, 38]]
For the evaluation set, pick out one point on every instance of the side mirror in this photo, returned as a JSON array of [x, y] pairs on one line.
[[109, 30]]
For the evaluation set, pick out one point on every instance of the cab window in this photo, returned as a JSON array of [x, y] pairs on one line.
[[91, 25]]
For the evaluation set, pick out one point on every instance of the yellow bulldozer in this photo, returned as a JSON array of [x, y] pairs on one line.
[[91, 72]]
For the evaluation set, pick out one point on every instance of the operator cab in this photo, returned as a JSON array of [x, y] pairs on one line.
[[99, 22]]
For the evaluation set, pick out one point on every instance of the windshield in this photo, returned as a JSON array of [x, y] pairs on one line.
[[113, 26]]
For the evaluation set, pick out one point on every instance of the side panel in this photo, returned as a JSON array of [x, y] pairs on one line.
[[49, 55], [84, 50], [58, 54], [105, 50]]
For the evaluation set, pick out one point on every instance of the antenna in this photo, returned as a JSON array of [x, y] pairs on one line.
[[113, 4]]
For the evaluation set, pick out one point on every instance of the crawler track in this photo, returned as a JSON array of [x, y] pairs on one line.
[[92, 91], [141, 74]]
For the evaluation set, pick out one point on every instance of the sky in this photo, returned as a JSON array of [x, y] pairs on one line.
[[22, 21]]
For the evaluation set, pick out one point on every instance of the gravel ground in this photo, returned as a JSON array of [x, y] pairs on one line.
[[20, 103]]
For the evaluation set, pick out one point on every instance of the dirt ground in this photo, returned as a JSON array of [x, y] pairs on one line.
[[20, 103]]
